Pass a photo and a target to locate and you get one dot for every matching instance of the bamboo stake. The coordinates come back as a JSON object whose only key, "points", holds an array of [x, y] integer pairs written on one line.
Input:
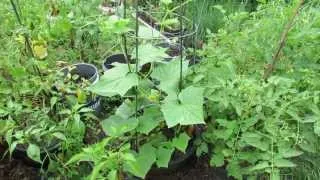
{"points": [[270, 67]]}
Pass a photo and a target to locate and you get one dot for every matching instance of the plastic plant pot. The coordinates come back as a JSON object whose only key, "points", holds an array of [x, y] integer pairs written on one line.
{"points": [[171, 33], [194, 60], [179, 159], [20, 152], [168, 32], [173, 50], [84, 70], [119, 58], [90, 73]]}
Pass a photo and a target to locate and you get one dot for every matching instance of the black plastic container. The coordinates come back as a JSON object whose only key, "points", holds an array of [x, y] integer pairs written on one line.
{"points": [[119, 58], [166, 31], [179, 160], [20, 152], [173, 50], [90, 73], [193, 60], [174, 33], [84, 70]]}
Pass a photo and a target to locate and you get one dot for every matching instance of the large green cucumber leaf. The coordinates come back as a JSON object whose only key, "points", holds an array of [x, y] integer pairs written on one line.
{"points": [[144, 161], [116, 126], [115, 81], [169, 76], [164, 156], [149, 53], [149, 120], [186, 110], [181, 142]]}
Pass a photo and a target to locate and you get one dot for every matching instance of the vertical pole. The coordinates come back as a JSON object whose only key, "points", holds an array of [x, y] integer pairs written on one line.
{"points": [[124, 37], [137, 69], [26, 37], [181, 44], [194, 37]]}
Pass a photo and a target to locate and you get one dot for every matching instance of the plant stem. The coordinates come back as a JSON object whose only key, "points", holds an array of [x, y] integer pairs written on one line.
{"points": [[125, 51], [26, 37], [16, 11], [124, 38], [28, 43], [268, 71]]}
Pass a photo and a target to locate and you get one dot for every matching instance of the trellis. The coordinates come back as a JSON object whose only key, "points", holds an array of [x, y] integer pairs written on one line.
{"points": [[169, 39]]}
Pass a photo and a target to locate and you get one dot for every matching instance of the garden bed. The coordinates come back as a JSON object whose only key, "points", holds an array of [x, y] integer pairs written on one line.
{"points": [[15, 169], [194, 169], [118, 89]]}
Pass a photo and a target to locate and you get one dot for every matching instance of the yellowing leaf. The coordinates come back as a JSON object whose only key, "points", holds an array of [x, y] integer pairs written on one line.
{"points": [[81, 96], [40, 51], [20, 39]]}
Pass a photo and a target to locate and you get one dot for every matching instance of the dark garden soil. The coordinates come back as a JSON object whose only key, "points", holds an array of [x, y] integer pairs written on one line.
{"points": [[15, 169], [194, 169]]}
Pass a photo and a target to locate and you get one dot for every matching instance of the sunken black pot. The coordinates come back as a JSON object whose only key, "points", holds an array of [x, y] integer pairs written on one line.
{"points": [[119, 58], [173, 33], [193, 60], [173, 50], [90, 73], [20, 152], [179, 159]]}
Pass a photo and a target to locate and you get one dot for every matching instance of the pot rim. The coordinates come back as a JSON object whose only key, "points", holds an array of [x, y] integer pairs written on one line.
{"points": [[55, 145], [95, 77]]}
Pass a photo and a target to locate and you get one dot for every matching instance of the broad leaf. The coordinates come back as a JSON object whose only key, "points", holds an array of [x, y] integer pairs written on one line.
{"points": [[149, 53], [255, 140], [149, 120], [116, 126], [144, 161], [291, 153], [126, 109], [284, 163], [260, 166], [33, 152], [59, 135], [5, 125], [169, 76], [217, 160], [181, 142], [164, 156], [233, 169], [186, 110], [116, 81]]}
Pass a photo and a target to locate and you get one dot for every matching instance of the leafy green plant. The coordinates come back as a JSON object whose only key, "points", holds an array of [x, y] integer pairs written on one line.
{"points": [[160, 102], [258, 129], [105, 157]]}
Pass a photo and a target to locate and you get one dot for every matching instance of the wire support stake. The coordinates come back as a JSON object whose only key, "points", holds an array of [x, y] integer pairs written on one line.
{"points": [[137, 70], [181, 44]]}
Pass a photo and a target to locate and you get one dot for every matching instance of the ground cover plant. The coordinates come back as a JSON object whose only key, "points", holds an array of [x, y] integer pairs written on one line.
{"points": [[248, 106]]}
